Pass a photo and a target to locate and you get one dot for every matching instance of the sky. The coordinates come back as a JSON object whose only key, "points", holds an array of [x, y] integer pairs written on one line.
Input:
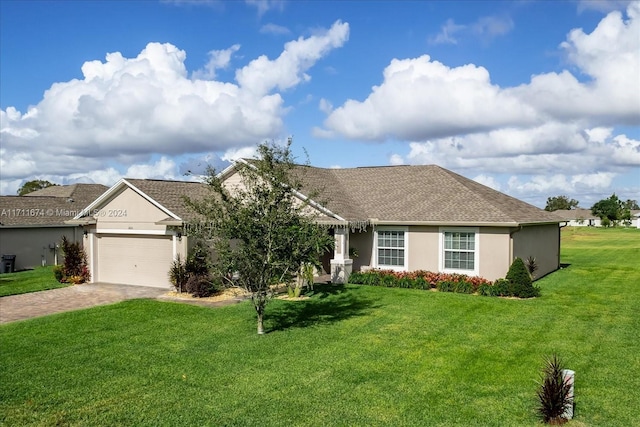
{"points": [[533, 98]]}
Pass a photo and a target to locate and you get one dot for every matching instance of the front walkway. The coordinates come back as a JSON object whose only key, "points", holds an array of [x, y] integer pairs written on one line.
{"points": [[35, 304]]}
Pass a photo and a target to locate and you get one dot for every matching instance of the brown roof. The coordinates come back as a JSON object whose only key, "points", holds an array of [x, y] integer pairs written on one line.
{"points": [[51, 206], [417, 194], [574, 214], [171, 194]]}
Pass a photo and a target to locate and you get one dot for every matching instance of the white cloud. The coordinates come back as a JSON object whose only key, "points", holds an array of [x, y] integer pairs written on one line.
{"points": [[603, 5], [263, 6], [218, 59], [396, 160], [447, 33], [325, 106], [421, 99], [124, 110], [274, 29], [234, 154], [486, 27], [263, 75], [489, 181]]}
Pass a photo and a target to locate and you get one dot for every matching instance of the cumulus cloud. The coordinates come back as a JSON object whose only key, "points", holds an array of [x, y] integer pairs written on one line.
{"points": [[263, 75], [420, 99], [218, 59], [124, 110]]}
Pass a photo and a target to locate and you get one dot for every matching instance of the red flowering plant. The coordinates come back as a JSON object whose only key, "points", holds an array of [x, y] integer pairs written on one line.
{"points": [[420, 279]]}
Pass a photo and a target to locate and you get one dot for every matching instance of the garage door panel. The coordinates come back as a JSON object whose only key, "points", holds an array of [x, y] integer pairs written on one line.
{"points": [[135, 260]]}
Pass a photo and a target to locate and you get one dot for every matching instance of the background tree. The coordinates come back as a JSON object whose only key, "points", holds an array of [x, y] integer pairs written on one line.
{"points": [[259, 231], [631, 205], [31, 186], [560, 202], [611, 208]]}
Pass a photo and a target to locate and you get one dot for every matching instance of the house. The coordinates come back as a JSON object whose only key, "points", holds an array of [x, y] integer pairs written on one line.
{"points": [[134, 230], [578, 217], [397, 217], [32, 226]]}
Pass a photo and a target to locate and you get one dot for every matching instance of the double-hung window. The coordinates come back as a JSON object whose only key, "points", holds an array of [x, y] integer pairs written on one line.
{"points": [[460, 250], [391, 249]]}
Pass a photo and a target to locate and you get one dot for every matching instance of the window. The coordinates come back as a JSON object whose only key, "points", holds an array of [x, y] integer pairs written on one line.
{"points": [[391, 248], [459, 250]]}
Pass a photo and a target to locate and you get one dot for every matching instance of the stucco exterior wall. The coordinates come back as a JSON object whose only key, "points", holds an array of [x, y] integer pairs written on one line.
{"points": [[494, 256], [423, 248], [362, 241], [543, 243], [129, 211], [34, 245]]}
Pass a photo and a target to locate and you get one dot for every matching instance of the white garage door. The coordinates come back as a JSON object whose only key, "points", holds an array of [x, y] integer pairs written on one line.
{"points": [[134, 260]]}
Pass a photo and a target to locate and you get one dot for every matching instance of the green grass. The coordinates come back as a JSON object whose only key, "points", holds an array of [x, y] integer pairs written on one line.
{"points": [[22, 282], [351, 355]]}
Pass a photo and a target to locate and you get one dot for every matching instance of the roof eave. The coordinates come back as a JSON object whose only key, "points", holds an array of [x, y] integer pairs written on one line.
{"points": [[460, 223]]}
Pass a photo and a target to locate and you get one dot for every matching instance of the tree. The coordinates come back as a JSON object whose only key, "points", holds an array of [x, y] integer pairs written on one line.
{"points": [[631, 205], [560, 202], [611, 208], [31, 186], [260, 232]]}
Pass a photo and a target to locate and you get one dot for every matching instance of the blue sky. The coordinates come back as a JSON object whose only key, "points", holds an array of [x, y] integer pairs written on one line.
{"points": [[533, 98]]}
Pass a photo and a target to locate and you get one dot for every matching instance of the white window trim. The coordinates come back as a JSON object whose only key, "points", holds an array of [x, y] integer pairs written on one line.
{"points": [[476, 250], [405, 230]]}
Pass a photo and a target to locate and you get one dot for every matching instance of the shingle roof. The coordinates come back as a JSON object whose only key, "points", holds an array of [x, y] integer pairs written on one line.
{"points": [[574, 214], [170, 194], [51, 206], [417, 194]]}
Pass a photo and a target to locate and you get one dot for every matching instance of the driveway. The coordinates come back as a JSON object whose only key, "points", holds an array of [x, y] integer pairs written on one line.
{"points": [[35, 304]]}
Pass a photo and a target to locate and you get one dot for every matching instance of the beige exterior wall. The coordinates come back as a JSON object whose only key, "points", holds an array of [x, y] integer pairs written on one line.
{"points": [[129, 211], [495, 250], [34, 245], [362, 241], [494, 255], [541, 242], [423, 248]]}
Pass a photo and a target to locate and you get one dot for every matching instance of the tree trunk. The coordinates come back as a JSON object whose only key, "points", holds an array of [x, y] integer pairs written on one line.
{"points": [[260, 324]]}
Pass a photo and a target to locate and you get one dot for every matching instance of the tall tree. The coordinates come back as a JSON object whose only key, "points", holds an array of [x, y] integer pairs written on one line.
{"points": [[611, 208], [260, 232], [560, 202], [31, 186]]}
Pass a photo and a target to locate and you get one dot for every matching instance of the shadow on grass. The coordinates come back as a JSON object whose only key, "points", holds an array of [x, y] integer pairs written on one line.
{"points": [[328, 304]]}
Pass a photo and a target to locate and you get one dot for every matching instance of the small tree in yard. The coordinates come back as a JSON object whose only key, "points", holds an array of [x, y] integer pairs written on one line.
{"points": [[74, 269], [259, 230]]}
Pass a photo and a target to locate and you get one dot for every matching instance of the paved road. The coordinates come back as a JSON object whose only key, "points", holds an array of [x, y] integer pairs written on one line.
{"points": [[34, 304]]}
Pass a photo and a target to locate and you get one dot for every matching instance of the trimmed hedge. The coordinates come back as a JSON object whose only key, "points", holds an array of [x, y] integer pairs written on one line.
{"points": [[443, 282]]}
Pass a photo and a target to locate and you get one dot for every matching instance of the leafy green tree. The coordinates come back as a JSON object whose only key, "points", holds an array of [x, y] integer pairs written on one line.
{"points": [[631, 205], [560, 202], [31, 186], [611, 208], [260, 232]]}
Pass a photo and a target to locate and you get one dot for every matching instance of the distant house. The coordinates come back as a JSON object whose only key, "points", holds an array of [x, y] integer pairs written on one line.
{"points": [[32, 226], [578, 217], [401, 217]]}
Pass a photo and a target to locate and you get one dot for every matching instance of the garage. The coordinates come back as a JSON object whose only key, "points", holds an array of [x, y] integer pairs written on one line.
{"points": [[134, 260]]}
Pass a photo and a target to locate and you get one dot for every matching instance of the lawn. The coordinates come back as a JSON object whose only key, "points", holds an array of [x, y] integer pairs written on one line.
{"points": [[22, 282], [350, 355]]}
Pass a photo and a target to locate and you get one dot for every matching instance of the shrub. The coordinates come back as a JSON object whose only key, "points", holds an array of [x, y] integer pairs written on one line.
{"points": [[178, 275], [201, 286], [554, 394], [520, 284], [74, 269], [464, 287], [487, 290], [501, 288], [445, 286], [58, 273], [198, 261]]}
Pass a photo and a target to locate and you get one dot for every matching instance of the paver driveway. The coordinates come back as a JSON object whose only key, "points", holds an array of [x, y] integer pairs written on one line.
{"points": [[34, 304]]}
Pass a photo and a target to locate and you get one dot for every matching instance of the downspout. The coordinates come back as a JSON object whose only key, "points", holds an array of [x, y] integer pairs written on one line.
{"points": [[559, 239], [511, 242]]}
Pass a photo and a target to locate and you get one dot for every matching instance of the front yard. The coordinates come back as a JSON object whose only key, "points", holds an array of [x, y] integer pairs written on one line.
{"points": [[38, 279], [350, 355]]}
